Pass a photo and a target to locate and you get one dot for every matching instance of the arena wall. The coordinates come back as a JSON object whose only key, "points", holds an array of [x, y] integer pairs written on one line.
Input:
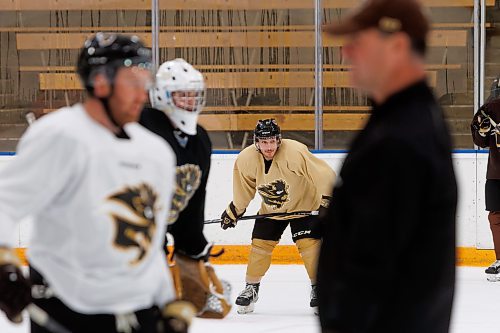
{"points": [[474, 241]]}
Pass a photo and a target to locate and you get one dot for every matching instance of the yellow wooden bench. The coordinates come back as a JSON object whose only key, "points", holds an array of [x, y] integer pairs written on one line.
{"points": [[288, 122], [210, 28], [240, 76], [75, 40], [246, 67], [235, 80], [43, 5]]}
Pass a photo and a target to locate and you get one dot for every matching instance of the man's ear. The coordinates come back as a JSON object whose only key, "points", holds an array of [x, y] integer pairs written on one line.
{"points": [[400, 43], [102, 88]]}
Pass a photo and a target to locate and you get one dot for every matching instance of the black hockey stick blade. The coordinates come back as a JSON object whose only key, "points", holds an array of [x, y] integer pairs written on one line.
{"points": [[253, 217]]}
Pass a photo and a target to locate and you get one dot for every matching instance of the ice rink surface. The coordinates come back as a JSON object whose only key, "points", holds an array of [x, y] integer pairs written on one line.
{"points": [[283, 305]]}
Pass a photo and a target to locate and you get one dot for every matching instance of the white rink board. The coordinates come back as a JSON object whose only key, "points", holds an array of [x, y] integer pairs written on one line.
{"points": [[472, 223]]}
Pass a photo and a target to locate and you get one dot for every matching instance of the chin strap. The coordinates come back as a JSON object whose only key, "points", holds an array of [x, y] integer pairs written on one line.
{"points": [[105, 103]]}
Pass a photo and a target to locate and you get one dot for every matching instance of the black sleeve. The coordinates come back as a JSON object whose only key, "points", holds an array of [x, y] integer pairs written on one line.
{"points": [[372, 218], [188, 229], [481, 141]]}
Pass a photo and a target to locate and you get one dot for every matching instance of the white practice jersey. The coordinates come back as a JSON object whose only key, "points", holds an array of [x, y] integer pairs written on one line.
{"points": [[100, 208]]}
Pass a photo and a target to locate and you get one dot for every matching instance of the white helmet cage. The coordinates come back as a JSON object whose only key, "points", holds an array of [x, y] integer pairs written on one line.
{"points": [[179, 91]]}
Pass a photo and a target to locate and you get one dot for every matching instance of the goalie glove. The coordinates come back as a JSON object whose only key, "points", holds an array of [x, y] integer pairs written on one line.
{"points": [[230, 217], [15, 290], [177, 316]]}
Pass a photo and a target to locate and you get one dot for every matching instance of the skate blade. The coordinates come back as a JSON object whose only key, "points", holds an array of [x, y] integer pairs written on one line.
{"points": [[493, 277], [244, 309]]}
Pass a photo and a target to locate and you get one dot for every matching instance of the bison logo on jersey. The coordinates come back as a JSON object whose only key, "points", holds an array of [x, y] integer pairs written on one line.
{"points": [[135, 224], [274, 194], [188, 178]]}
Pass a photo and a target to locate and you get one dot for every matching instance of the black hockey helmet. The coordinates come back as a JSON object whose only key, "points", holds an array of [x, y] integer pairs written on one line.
{"points": [[494, 90], [106, 53], [266, 128]]}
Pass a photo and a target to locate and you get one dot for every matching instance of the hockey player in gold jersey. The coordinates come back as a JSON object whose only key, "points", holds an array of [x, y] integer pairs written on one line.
{"points": [[289, 179]]}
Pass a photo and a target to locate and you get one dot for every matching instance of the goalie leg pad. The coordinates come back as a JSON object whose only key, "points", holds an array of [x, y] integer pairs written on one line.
{"points": [[218, 305], [176, 277], [201, 286], [194, 281]]}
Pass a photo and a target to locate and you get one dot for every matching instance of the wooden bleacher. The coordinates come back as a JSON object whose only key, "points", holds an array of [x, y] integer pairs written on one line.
{"points": [[55, 79], [41, 5], [228, 80], [296, 39], [297, 122], [241, 80]]}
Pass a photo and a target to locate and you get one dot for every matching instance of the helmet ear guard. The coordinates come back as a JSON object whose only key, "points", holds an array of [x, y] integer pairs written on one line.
{"points": [[179, 91]]}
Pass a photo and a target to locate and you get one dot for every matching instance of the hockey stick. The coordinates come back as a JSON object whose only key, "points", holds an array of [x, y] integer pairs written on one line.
{"points": [[491, 120], [42, 318], [253, 217]]}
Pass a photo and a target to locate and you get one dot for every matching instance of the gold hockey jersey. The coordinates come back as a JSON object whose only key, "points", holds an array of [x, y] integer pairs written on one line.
{"points": [[296, 180]]}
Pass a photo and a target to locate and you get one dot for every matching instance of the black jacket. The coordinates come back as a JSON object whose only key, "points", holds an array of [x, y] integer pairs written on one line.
{"points": [[188, 228], [387, 262], [492, 109]]}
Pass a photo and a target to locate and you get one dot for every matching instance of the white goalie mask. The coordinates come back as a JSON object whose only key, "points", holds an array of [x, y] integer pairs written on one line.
{"points": [[179, 91]]}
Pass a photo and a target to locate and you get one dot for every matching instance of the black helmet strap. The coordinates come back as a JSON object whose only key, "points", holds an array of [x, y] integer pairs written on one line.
{"points": [[110, 73], [105, 104]]}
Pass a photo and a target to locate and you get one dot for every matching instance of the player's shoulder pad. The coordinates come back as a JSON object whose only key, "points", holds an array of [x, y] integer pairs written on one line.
{"points": [[152, 112], [64, 121], [248, 155], [292, 147], [202, 132], [149, 140], [152, 118]]}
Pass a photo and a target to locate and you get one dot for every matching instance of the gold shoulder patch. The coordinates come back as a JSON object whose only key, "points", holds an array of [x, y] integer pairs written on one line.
{"points": [[188, 178]]}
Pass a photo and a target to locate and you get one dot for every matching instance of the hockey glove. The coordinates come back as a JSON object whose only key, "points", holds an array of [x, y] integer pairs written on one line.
{"points": [[481, 124], [15, 290], [324, 204], [484, 127], [230, 217], [475, 122], [177, 316]]}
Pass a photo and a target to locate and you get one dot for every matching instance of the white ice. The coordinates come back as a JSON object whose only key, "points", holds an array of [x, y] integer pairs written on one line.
{"points": [[284, 299]]}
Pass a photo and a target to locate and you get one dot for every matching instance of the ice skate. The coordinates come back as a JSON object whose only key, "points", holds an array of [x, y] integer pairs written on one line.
{"points": [[314, 299], [247, 298], [493, 272]]}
